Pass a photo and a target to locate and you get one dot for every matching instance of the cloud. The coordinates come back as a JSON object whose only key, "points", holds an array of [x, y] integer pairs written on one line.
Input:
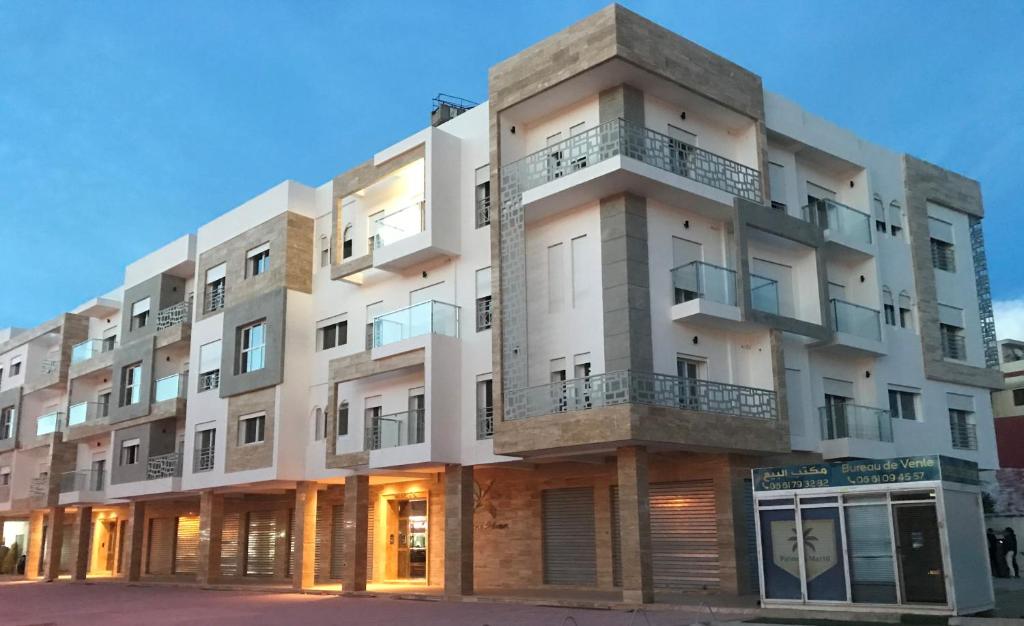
{"points": [[1009, 316]]}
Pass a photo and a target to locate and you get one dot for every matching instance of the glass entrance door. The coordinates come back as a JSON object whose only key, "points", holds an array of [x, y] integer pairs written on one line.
{"points": [[922, 578], [411, 550]]}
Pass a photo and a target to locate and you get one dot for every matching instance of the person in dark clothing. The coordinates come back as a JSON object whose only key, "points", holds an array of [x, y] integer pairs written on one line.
{"points": [[993, 552], [1010, 547]]}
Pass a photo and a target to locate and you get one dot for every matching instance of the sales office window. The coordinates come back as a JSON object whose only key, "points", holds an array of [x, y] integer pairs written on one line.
{"points": [[251, 355]]}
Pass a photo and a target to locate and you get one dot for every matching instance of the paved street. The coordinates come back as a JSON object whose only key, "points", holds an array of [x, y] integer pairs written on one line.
{"points": [[113, 604]]}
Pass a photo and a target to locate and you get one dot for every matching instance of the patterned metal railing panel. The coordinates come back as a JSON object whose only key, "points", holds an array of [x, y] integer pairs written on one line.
{"points": [[174, 315], [954, 346], [483, 211], [626, 387], [853, 421], [964, 436], [484, 317], [202, 459], [209, 380], [214, 300], [163, 466], [619, 137], [485, 422]]}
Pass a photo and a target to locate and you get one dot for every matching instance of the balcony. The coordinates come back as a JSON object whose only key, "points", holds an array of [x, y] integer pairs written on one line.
{"points": [[90, 348], [395, 226], [485, 422], [705, 294], [202, 459], [764, 294], [209, 380], [851, 430], [48, 424], [626, 387], [87, 413], [426, 318], [174, 315], [164, 466], [82, 486], [846, 230], [484, 313], [858, 330], [170, 387], [395, 429]]}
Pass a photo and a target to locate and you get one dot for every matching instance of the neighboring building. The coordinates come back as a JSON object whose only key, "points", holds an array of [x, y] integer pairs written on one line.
{"points": [[1008, 404], [541, 342]]}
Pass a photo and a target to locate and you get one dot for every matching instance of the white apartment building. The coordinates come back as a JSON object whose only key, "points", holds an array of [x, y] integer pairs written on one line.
{"points": [[539, 344]]}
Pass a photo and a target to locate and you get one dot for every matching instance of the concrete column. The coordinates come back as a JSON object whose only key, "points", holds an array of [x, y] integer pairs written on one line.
{"points": [[458, 530], [54, 543], [34, 550], [357, 502], [135, 534], [304, 572], [83, 537], [635, 525], [211, 525]]}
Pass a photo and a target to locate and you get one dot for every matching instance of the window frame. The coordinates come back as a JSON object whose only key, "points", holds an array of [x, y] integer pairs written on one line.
{"points": [[246, 347], [257, 260], [131, 451], [260, 429], [1015, 397], [7, 416], [131, 384], [897, 401]]}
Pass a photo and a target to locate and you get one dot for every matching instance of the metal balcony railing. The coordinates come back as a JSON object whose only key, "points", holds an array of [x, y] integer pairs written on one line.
{"points": [[484, 314], [626, 387], [85, 412], [395, 429], [856, 319], [83, 480], [483, 211], [397, 225], [764, 294], [426, 318], [202, 459], [619, 137], [209, 380], [49, 423], [49, 366], [842, 421], [170, 387], [964, 435], [214, 299], [163, 466], [485, 422], [704, 280], [954, 346], [90, 348], [174, 315], [39, 486], [843, 223]]}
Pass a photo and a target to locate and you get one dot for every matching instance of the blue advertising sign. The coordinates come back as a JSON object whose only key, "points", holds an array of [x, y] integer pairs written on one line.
{"points": [[908, 469]]}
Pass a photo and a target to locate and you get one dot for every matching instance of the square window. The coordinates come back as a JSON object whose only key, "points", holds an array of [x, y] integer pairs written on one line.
{"points": [[140, 314], [130, 449], [15, 368], [943, 256], [903, 404], [251, 429], [1018, 397], [332, 335]]}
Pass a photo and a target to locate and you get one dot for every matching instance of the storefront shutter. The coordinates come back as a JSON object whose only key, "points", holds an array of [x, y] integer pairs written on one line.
{"points": [[291, 541], [261, 531], [684, 537], [369, 541], [338, 542], [616, 539], [322, 547], [186, 547], [160, 556], [229, 545], [568, 536], [66, 548]]}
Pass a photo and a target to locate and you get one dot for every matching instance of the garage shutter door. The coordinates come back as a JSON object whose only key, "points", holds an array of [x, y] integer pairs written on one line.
{"points": [[568, 536], [186, 546], [261, 544], [684, 537], [229, 545], [338, 541], [616, 539], [369, 541], [291, 541], [159, 557], [322, 549]]}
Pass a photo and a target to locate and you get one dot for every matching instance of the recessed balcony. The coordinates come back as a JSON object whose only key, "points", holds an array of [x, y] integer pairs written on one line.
{"points": [[621, 156], [858, 330], [171, 387], [395, 429], [764, 294], [90, 348], [855, 431], [82, 487], [86, 413], [705, 294], [48, 424], [847, 231]]}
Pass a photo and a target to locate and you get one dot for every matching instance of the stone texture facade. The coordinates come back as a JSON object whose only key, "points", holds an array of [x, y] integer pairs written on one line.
{"points": [[238, 456]]}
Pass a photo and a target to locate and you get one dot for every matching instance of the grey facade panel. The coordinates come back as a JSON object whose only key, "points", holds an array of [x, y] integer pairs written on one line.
{"points": [[155, 438], [11, 398], [162, 290], [138, 352], [269, 307]]}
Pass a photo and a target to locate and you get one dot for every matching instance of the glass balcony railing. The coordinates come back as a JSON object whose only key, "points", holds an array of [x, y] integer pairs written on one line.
{"points": [[170, 387], [764, 294], [85, 412], [842, 421], [90, 348], [843, 223], [856, 320], [626, 387], [83, 480], [395, 429], [426, 318], [619, 137], [704, 280], [47, 424], [397, 225]]}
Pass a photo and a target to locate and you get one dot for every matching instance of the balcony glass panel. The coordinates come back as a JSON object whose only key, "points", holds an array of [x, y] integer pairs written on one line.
{"points": [[843, 223], [856, 320], [395, 429], [78, 413], [82, 480], [425, 318], [47, 424], [842, 421], [169, 387], [704, 280], [397, 225], [764, 294], [85, 350]]}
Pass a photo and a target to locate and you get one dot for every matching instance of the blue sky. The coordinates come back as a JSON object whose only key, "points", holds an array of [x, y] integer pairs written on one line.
{"points": [[124, 125]]}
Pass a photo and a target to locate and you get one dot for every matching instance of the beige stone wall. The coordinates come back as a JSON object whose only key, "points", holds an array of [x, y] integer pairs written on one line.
{"points": [[255, 455]]}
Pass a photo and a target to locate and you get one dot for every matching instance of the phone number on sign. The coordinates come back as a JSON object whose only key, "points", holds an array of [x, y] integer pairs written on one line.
{"points": [[878, 479], [795, 484]]}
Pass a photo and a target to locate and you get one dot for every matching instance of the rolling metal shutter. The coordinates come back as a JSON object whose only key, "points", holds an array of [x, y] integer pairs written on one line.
{"points": [[338, 542], [66, 548], [369, 541], [684, 536], [229, 545], [261, 544], [570, 547], [160, 556], [186, 546], [291, 541], [616, 539], [323, 542]]}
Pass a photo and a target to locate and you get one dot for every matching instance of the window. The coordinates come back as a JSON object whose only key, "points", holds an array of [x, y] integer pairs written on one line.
{"points": [[332, 334], [253, 341], [209, 366], [906, 318], [777, 185], [1018, 397], [483, 299], [213, 298], [342, 418], [131, 384], [417, 415], [140, 314], [963, 431], [482, 194], [953, 345], [103, 400], [879, 211], [346, 242], [258, 260], [204, 452], [484, 407], [325, 251], [15, 367], [319, 424], [556, 278], [372, 422], [108, 343], [943, 257], [903, 404], [250, 429], [372, 311], [5, 476], [890, 314], [7, 422], [130, 451]]}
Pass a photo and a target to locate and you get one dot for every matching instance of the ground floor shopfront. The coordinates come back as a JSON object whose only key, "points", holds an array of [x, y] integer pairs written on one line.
{"points": [[631, 523]]}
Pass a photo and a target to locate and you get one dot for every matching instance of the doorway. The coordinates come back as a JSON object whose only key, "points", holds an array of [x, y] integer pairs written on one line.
{"points": [[407, 539], [922, 576]]}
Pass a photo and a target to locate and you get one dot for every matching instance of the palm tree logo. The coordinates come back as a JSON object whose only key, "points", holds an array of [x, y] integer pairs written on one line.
{"points": [[808, 538]]}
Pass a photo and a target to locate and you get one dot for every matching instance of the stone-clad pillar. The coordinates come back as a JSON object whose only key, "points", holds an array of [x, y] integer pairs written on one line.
{"points": [[635, 525], [458, 530], [135, 534], [54, 543], [283, 549], [83, 536], [357, 502], [211, 525], [34, 549], [304, 572]]}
